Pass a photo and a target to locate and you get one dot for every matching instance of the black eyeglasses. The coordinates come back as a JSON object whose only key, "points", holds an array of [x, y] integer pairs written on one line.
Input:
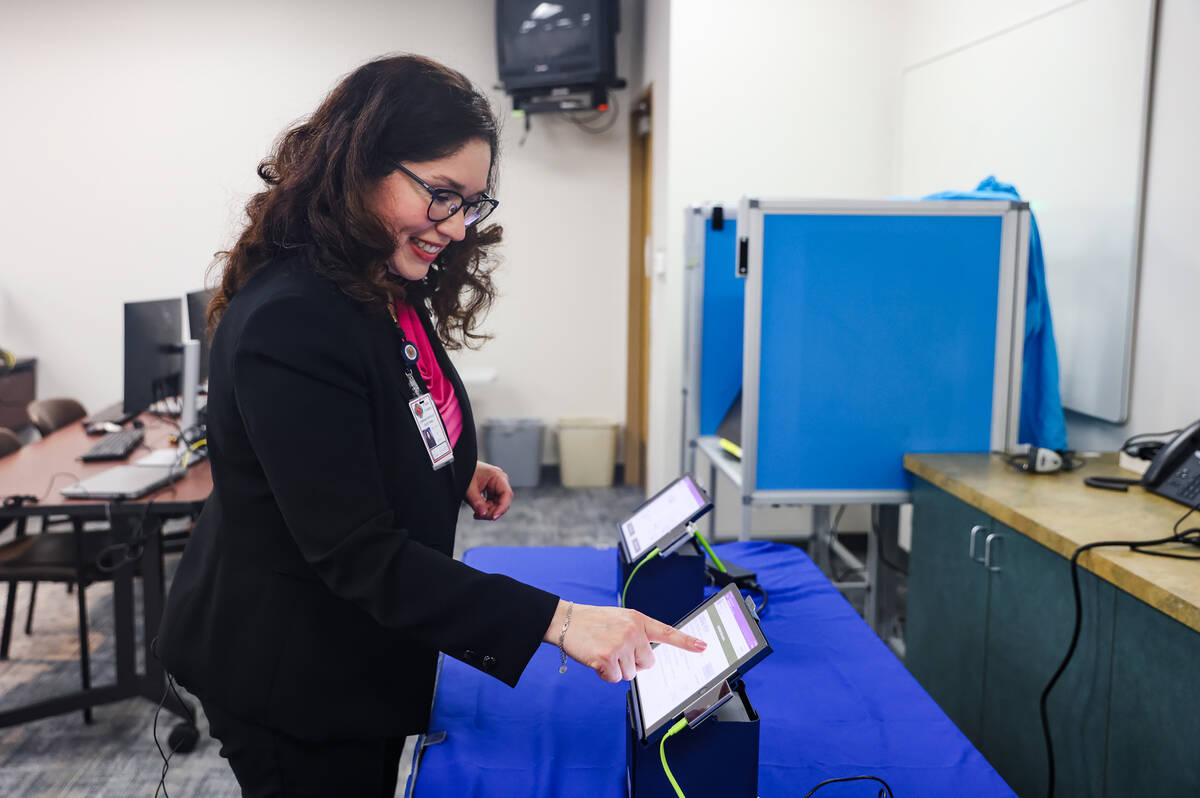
{"points": [[444, 203]]}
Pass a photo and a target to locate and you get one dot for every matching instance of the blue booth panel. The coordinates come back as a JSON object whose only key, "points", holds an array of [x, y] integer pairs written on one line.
{"points": [[724, 311], [878, 338]]}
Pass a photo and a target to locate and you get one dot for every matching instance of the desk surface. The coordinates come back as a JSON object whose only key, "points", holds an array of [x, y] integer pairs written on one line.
{"points": [[1061, 513], [45, 467], [833, 699]]}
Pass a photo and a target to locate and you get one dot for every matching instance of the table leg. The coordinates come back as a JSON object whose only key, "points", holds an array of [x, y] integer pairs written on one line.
{"points": [[153, 593], [124, 626], [85, 658], [818, 546], [871, 599]]}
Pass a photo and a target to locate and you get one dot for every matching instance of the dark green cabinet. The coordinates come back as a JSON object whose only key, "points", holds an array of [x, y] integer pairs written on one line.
{"points": [[1154, 709], [1030, 617], [947, 605], [990, 614]]}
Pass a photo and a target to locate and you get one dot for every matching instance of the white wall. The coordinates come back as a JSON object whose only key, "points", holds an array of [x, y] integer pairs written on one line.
{"points": [[760, 97], [1165, 394], [1166, 385], [132, 131]]}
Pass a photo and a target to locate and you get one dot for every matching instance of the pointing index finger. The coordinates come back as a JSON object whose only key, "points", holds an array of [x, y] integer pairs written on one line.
{"points": [[661, 633]]}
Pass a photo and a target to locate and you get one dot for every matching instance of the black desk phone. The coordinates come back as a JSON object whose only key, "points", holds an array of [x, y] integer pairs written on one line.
{"points": [[1175, 470]]}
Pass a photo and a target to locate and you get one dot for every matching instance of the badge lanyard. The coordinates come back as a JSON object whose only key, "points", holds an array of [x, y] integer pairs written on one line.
{"points": [[424, 410]]}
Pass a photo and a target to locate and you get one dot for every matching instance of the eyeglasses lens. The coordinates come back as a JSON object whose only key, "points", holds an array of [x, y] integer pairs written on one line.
{"points": [[444, 205]]}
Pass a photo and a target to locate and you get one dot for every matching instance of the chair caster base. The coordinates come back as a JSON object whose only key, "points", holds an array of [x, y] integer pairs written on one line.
{"points": [[183, 738]]}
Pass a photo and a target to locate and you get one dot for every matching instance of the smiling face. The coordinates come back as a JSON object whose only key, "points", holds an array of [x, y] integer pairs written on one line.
{"points": [[401, 203]]}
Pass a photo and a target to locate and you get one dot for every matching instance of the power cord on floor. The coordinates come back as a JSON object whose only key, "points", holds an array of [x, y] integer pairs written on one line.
{"points": [[181, 743], [1191, 536], [884, 792]]}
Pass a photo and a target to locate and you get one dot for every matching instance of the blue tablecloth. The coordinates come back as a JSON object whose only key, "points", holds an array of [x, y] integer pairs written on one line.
{"points": [[832, 698]]}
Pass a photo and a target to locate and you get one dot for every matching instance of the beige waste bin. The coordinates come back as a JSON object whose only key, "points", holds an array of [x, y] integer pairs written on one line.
{"points": [[587, 450]]}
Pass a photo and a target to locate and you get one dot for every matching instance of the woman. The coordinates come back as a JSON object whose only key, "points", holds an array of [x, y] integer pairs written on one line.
{"points": [[318, 587]]}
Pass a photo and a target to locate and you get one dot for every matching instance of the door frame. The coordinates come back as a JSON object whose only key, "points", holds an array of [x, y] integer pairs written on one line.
{"points": [[637, 391]]}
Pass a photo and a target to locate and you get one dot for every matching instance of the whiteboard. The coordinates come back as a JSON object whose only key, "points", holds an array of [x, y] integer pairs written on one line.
{"points": [[1058, 106]]}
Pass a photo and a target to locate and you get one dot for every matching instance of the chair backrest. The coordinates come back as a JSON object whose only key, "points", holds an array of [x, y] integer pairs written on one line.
{"points": [[51, 414], [9, 442]]}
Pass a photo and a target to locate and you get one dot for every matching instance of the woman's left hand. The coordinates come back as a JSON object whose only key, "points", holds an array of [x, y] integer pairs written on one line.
{"points": [[489, 493]]}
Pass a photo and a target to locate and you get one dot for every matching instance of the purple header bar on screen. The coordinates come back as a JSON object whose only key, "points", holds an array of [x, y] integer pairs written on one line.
{"points": [[695, 491], [739, 612]]}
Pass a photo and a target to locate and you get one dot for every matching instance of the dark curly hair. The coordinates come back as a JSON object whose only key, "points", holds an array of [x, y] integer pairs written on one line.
{"points": [[318, 178]]}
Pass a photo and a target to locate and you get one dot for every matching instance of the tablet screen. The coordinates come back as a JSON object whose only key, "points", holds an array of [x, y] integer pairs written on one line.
{"points": [[679, 677], [678, 503]]}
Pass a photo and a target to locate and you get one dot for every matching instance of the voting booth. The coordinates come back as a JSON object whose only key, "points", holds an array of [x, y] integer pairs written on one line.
{"points": [[871, 328]]}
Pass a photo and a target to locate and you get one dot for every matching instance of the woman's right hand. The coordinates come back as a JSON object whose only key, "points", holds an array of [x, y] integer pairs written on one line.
{"points": [[612, 641]]}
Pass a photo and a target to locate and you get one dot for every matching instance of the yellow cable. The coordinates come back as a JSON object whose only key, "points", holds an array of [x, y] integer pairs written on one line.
{"points": [[716, 560], [662, 754], [188, 454], [643, 561]]}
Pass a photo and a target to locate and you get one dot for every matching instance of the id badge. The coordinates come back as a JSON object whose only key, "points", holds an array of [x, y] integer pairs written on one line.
{"points": [[429, 424]]}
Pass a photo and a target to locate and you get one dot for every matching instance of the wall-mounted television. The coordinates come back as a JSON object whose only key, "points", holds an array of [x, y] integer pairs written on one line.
{"points": [[551, 49]]}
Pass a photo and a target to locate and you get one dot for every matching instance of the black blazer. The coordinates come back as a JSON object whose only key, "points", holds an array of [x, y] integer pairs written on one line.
{"points": [[319, 583]]}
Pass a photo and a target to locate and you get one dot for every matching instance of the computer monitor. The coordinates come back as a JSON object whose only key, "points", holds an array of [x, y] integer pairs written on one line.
{"points": [[153, 353], [197, 309]]}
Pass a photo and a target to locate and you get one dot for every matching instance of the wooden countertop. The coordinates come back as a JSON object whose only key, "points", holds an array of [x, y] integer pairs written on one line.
{"points": [[1061, 513]]}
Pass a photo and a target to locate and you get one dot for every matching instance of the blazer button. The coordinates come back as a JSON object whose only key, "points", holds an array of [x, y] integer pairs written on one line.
{"points": [[489, 662]]}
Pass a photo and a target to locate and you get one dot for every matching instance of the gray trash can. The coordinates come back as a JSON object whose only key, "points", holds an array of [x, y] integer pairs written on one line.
{"points": [[515, 444]]}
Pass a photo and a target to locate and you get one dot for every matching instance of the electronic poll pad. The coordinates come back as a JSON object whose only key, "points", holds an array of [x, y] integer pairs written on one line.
{"points": [[694, 684], [662, 521]]}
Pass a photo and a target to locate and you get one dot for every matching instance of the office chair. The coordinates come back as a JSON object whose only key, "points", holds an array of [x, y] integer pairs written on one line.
{"points": [[68, 557], [51, 414], [9, 442]]}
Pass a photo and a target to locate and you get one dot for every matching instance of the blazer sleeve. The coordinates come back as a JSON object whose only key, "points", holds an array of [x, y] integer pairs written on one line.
{"points": [[297, 359]]}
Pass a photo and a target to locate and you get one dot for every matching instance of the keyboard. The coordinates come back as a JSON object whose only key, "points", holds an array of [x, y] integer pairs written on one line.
{"points": [[114, 445]]}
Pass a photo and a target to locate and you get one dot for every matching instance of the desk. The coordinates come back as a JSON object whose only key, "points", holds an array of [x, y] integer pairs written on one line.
{"points": [[43, 468], [985, 641], [834, 701]]}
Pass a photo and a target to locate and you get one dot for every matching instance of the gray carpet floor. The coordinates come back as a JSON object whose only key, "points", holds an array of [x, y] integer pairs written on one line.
{"points": [[116, 756]]}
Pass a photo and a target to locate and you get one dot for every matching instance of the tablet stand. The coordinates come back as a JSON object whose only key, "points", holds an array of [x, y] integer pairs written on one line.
{"points": [[715, 756], [668, 585]]}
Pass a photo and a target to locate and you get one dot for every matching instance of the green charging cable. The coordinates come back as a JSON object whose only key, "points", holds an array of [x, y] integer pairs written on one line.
{"points": [[643, 561], [716, 560], [662, 754]]}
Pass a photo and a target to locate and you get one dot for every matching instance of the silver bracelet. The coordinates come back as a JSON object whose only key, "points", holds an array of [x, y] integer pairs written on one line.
{"points": [[562, 652]]}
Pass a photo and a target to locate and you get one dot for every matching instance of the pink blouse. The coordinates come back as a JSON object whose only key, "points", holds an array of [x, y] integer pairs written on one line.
{"points": [[439, 386]]}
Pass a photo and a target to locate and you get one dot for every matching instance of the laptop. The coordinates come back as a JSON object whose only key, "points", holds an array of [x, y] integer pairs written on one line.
{"points": [[125, 482]]}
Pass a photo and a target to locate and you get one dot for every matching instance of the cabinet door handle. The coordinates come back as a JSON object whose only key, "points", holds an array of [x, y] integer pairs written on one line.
{"points": [[987, 552], [975, 530]]}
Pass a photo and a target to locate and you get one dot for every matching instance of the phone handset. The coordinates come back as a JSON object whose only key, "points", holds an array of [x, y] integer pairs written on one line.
{"points": [[1174, 472], [1173, 454]]}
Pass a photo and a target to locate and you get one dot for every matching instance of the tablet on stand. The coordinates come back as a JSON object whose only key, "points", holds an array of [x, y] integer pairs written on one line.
{"points": [[657, 573], [692, 709]]}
